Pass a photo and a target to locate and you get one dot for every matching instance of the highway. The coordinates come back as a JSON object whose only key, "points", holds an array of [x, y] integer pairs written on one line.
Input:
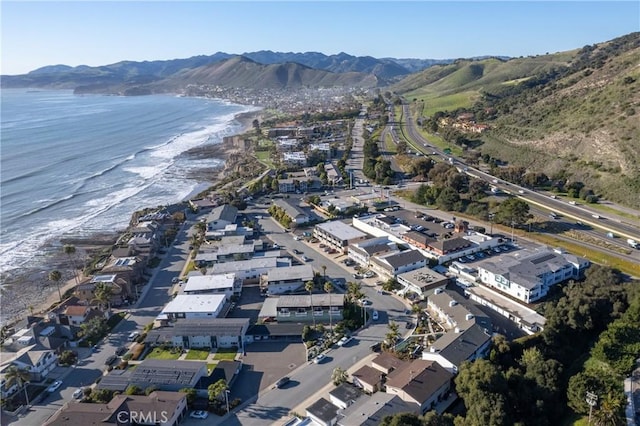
{"points": [[620, 226]]}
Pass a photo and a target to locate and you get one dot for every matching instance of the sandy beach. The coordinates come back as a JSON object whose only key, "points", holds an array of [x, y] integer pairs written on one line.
{"points": [[28, 291]]}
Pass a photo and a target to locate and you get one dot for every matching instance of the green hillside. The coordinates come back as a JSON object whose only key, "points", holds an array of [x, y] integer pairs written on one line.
{"points": [[573, 115]]}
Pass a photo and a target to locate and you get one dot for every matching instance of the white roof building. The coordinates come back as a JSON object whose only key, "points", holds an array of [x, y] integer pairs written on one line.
{"points": [[219, 283], [195, 306]]}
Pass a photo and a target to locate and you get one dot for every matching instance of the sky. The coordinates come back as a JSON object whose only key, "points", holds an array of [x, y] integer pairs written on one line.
{"points": [[36, 34]]}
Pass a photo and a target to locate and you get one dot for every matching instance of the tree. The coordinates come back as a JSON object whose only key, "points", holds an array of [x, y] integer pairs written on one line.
{"points": [[448, 199], [610, 411], [328, 287], [338, 376], [309, 285], [150, 389], [191, 395], [133, 390], [101, 395], [401, 419], [68, 358], [512, 211], [102, 294], [393, 335], [21, 376], [482, 386], [70, 250], [56, 276], [216, 389], [93, 329]]}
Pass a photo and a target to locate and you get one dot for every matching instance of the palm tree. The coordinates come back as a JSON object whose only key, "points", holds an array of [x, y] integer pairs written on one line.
{"points": [[70, 250], [103, 293], [394, 333], [309, 287], [611, 411], [20, 375], [328, 286], [56, 276], [338, 376], [324, 273]]}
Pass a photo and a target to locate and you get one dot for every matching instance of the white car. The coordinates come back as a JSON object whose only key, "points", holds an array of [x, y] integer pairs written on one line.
{"points": [[344, 340], [133, 335], [54, 386], [199, 414], [374, 316], [78, 393], [319, 359]]}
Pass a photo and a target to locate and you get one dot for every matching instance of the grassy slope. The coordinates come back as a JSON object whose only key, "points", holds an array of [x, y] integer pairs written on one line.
{"points": [[587, 124]]}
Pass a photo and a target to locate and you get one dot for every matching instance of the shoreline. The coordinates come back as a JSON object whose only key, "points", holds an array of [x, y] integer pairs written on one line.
{"points": [[29, 290]]}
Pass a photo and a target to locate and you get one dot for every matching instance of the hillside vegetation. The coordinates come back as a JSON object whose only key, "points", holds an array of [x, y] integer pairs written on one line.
{"points": [[574, 116]]}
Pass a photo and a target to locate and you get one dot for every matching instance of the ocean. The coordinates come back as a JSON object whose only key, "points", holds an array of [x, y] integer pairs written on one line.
{"points": [[78, 165]]}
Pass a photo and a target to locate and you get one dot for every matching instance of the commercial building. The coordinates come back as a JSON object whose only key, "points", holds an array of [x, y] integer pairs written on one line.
{"points": [[338, 235]]}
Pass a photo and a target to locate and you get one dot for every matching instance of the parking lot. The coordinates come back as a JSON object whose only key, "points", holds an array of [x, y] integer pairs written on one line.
{"points": [[265, 363]]}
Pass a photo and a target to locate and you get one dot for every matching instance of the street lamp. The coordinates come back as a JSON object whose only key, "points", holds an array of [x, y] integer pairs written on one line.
{"points": [[226, 398], [491, 216], [592, 400]]}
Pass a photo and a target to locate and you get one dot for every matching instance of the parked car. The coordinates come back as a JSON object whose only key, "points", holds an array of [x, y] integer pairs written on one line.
{"points": [[374, 316], [319, 359], [199, 414], [121, 350], [133, 335], [110, 360], [77, 394], [296, 251], [305, 259], [344, 340], [283, 381], [54, 386]]}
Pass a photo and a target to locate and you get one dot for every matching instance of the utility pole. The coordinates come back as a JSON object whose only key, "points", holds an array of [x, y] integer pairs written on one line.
{"points": [[592, 400], [491, 215]]}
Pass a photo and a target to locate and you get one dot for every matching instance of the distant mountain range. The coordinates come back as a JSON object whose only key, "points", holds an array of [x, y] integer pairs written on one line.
{"points": [[253, 70]]}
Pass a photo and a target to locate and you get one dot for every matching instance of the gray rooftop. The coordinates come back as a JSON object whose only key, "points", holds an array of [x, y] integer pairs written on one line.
{"points": [[292, 273], [346, 393], [341, 230], [370, 410], [324, 410], [407, 257], [304, 300], [458, 347]]}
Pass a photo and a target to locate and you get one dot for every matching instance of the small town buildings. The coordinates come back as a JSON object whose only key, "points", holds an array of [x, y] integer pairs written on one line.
{"points": [[294, 211], [221, 216], [286, 280], [294, 158], [338, 235], [304, 308], [368, 378], [529, 278], [392, 264], [129, 268], [371, 410], [287, 185], [226, 284], [419, 382], [344, 395], [362, 252], [323, 412], [249, 271], [201, 333], [166, 375], [203, 204], [194, 306], [158, 408], [35, 358], [120, 290], [422, 281]]}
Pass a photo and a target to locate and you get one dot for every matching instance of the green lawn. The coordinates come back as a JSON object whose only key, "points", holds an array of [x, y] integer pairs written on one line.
{"points": [[159, 353], [198, 354], [228, 354]]}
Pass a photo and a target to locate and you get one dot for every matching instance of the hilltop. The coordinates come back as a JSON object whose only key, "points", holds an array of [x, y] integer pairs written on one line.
{"points": [[573, 115]]}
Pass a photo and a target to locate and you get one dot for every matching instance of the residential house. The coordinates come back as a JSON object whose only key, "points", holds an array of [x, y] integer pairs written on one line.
{"points": [[392, 264], [129, 268], [338, 235], [457, 346], [286, 280], [194, 306], [120, 288], [158, 408], [294, 158], [530, 278], [422, 281], [344, 395], [295, 212], [221, 216], [323, 412], [422, 383], [362, 252], [201, 333], [292, 185], [371, 410], [323, 307], [368, 378], [226, 284], [146, 238], [249, 271], [36, 359], [203, 204], [386, 362]]}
